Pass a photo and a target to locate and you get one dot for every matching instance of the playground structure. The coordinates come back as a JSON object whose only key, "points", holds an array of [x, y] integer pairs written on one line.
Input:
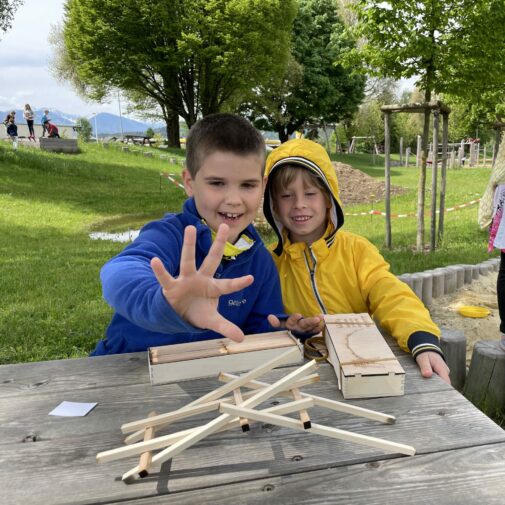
{"points": [[435, 108]]}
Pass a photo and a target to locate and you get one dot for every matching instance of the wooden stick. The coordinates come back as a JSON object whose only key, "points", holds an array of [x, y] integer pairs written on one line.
{"points": [[319, 429], [227, 388], [214, 405], [324, 402], [304, 415], [244, 423], [166, 440], [216, 424], [146, 457]]}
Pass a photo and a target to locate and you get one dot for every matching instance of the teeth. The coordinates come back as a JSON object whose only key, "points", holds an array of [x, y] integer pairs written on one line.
{"points": [[301, 218], [230, 215]]}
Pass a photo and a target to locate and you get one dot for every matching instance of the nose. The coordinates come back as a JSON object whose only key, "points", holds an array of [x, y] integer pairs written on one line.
{"points": [[232, 197], [300, 201]]}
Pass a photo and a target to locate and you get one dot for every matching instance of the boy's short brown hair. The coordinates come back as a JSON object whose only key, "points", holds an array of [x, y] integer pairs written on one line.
{"points": [[285, 175], [222, 132]]}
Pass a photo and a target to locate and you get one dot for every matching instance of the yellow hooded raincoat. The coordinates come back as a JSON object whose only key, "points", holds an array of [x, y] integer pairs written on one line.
{"points": [[342, 272]]}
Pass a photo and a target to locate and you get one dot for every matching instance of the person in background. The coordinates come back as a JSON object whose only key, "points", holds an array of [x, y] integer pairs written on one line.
{"points": [[52, 130], [491, 214], [12, 131], [28, 115], [43, 121], [11, 114]]}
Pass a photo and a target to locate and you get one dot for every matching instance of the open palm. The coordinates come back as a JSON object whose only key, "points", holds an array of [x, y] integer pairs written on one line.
{"points": [[194, 294]]}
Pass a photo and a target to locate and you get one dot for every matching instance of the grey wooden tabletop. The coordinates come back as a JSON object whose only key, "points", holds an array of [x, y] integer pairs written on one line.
{"points": [[51, 460]]}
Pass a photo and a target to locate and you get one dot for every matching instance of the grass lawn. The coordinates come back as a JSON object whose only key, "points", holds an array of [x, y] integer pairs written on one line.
{"points": [[51, 296]]}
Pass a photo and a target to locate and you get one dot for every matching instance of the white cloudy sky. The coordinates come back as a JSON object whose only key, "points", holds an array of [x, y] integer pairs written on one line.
{"points": [[24, 61]]}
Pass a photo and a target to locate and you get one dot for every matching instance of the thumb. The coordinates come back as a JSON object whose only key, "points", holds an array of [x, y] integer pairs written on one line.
{"points": [[226, 328]]}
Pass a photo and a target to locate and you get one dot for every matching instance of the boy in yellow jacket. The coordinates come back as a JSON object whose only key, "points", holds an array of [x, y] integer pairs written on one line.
{"points": [[324, 270]]}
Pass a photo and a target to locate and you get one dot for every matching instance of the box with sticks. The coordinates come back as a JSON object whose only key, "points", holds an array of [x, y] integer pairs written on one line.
{"points": [[365, 365], [193, 360]]}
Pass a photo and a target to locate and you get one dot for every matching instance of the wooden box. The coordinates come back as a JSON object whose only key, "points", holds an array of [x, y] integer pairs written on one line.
{"points": [[365, 365], [178, 362]]}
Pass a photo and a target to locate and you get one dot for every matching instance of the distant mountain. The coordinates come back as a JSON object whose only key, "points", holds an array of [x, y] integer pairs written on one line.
{"points": [[107, 124], [110, 124]]}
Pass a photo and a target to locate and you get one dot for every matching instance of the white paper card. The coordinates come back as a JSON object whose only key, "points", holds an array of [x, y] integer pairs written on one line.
{"points": [[72, 409]]}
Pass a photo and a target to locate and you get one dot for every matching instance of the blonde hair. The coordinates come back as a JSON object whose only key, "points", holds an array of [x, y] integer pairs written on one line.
{"points": [[286, 174]]}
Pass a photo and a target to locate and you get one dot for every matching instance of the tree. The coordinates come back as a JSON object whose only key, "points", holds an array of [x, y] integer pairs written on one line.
{"points": [[189, 57], [316, 88], [452, 46], [7, 10], [85, 129], [150, 133]]}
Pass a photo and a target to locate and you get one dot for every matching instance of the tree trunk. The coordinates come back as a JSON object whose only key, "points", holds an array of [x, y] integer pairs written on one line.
{"points": [[421, 189], [387, 157], [434, 182], [283, 135], [173, 130]]}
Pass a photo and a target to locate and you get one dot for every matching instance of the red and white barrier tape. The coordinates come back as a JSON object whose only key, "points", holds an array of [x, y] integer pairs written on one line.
{"points": [[411, 214]]}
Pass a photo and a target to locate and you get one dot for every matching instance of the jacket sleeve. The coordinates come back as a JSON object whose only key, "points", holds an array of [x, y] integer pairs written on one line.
{"points": [[130, 287], [268, 297], [392, 303]]}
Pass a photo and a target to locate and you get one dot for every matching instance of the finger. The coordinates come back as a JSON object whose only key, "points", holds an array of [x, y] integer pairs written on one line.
{"points": [[274, 321], [292, 321], [213, 259], [442, 370], [226, 286], [423, 361], [163, 277], [187, 264], [226, 328], [311, 323]]}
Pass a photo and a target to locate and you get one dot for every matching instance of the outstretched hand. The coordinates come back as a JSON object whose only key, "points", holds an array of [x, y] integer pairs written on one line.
{"points": [[431, 362], [194, 294], [296, 322]]}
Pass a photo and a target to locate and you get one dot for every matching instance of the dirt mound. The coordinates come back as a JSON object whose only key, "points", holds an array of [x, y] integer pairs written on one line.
{"points": [[357, 187]]}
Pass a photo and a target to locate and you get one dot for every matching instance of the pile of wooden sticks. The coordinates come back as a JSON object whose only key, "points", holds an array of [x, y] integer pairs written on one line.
{"points": [[238, 411]]}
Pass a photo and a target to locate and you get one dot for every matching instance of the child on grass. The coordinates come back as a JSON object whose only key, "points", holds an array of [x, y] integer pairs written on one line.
{"points": [[324, 270], [12, 131], [202, 273]]}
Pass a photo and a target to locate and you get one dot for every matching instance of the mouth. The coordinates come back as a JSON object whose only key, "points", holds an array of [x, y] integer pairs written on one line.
{"points": [[300, 219], [230, 217]]}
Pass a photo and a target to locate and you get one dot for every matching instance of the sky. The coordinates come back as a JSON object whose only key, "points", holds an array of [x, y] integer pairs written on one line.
{"points": [[24, 64], [25, 54]]}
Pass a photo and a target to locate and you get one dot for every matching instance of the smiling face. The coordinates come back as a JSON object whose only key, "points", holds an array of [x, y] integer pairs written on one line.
{"points": [[302, 208], [227, 189]]}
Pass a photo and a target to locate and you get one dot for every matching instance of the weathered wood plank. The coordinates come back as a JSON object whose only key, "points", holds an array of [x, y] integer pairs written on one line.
{"points": [[471, 476], [73, 374], [433, 422], [119, 370]]}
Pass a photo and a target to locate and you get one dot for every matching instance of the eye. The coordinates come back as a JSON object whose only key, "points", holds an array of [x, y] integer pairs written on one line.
{"points": [[250, 185], [285, 195], [216, 183]]}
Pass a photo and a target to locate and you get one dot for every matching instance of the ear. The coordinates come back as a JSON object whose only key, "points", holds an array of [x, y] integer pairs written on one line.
{"points": [[188, 182]]}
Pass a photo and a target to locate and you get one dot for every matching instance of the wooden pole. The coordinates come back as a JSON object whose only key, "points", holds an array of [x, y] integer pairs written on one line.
{"points": [[434, 180], [418, 152], [401, 151], [387, 154], [443, 177]]}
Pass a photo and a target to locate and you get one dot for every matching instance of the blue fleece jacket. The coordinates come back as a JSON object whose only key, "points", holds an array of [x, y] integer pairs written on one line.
{"points": [[143, 318]]}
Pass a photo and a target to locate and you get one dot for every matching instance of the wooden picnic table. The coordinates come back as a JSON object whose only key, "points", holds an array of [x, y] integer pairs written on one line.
{"points": [[51, 460]]}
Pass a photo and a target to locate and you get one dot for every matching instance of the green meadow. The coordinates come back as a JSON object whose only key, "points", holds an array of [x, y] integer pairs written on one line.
{"points": [[52, 306]]}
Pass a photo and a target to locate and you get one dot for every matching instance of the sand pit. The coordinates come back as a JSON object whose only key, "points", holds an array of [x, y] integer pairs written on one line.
{"points": [[481, 292]]}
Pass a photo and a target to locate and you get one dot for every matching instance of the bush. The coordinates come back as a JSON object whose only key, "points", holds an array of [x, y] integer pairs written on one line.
{"points": [[84, 129]]}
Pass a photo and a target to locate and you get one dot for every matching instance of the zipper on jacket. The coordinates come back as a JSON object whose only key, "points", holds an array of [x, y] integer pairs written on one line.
{"points": [[312, 272]]}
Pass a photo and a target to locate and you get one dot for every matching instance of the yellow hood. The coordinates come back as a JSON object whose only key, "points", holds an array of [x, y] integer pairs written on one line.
{"points": [[312, 156]]}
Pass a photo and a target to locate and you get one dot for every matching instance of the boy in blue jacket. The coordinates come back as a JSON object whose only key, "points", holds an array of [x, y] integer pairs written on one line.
{"points": [[203, 273]]}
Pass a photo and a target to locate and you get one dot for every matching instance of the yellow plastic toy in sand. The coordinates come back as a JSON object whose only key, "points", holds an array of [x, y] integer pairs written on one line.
{"points": [[473, 311]]}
